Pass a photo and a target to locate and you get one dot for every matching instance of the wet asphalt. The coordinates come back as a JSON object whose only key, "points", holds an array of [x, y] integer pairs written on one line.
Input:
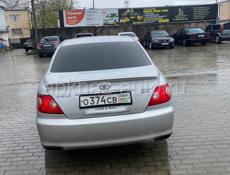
{"points": [[200, 144]]}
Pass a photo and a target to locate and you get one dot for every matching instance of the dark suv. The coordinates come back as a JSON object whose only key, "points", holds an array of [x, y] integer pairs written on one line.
{"points": [[48, 45], [219, 32]]}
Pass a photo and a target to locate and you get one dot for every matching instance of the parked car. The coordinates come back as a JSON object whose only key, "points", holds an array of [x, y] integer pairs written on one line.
{"points": [[48, 45], [158, 38], [102, 107], [190, 36], [111, 19], [80, 35], [27, 45], [131, 34], [219, 32]]}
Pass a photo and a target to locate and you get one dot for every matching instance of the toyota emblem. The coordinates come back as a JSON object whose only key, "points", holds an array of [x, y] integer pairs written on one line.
{"points": [[104, 85]]}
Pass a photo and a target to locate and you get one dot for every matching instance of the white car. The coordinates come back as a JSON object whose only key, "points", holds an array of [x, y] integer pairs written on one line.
{"points": [[111, 19], [131, 34]]}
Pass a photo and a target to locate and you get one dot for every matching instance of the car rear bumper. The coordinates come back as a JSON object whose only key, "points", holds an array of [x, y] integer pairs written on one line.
{"points": [[94, 132], [171, 44], [46, 51]]}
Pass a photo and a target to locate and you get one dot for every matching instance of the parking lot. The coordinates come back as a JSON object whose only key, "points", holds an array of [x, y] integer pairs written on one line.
{"points": [[200, 144]]}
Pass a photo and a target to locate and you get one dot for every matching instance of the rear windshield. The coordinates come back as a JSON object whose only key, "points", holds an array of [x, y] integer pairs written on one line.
{"points": [[47, 39], [28, 41], [195, 30], [159, 34], [99, 56], [227, 26]]}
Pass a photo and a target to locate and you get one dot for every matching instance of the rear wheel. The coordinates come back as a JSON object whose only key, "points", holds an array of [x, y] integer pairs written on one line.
{"points": [[40, 55], [218, 39]]}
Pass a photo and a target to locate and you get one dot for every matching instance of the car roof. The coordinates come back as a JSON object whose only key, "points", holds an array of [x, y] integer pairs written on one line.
{"points": [[126, 32], [192, 28], [97, 39], [50, 36], [158, 31], [84, 34]]}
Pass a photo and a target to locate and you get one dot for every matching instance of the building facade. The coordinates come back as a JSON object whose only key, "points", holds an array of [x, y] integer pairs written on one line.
{"points": [[3, 26], [20, 25], [225, 11]]}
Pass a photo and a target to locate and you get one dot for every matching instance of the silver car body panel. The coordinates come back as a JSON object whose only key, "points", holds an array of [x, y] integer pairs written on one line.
{"points": [[79, 127], [101, 131]]}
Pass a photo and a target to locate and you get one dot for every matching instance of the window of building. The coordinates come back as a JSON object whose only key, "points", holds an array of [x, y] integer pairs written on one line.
{"points": [[14, 17], [16, 32]]}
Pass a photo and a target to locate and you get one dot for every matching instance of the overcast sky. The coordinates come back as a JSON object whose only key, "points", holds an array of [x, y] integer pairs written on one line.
{"points": [[139, 3]]}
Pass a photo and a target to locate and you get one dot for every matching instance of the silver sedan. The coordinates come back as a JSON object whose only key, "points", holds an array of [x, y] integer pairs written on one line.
{"points": [[101, 91]]}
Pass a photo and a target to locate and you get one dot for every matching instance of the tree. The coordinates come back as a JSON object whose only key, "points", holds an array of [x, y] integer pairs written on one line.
{"points": [[47, 12]]}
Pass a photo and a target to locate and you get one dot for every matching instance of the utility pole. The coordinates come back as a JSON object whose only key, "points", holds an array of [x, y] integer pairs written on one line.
{"points": [[35, 28], [218, 12], [126, 3], [93, 4]]}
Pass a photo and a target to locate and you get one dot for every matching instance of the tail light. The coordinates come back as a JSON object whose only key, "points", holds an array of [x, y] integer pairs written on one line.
{"points": [[222, 28], [162, 94], [38, 46], [46, 104], [193, 36], [56, 44]]}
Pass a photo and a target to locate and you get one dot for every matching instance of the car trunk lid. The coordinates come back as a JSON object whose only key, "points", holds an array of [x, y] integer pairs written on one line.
{"points": [[67, 88]]}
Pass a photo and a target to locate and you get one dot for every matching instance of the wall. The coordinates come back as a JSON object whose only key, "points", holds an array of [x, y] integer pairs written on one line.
{"points": [[3, 29], [140, 30], [24, 22], [225, 11]]}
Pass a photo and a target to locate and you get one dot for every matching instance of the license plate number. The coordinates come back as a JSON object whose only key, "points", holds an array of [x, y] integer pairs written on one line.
{"points": [[123, 98], [201, 36], [47, 45], [164, 44]]}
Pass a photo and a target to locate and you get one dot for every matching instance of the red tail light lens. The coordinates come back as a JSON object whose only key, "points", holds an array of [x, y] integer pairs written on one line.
{"points": [[55, 43], [46, 104], [162, 94], [38, 46], [222, 28]]}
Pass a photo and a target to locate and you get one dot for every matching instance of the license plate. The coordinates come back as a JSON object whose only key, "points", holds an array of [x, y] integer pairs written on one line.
{"points": [[47, 45], [164, 44], [200, 36], [121, 98]]}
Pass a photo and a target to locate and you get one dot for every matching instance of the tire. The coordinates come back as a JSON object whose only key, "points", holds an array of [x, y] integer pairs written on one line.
{"points": [[217, 39], [150, 46], [40, 55], [171, 47], [184, 42], [203, 43], [26, 50]]}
